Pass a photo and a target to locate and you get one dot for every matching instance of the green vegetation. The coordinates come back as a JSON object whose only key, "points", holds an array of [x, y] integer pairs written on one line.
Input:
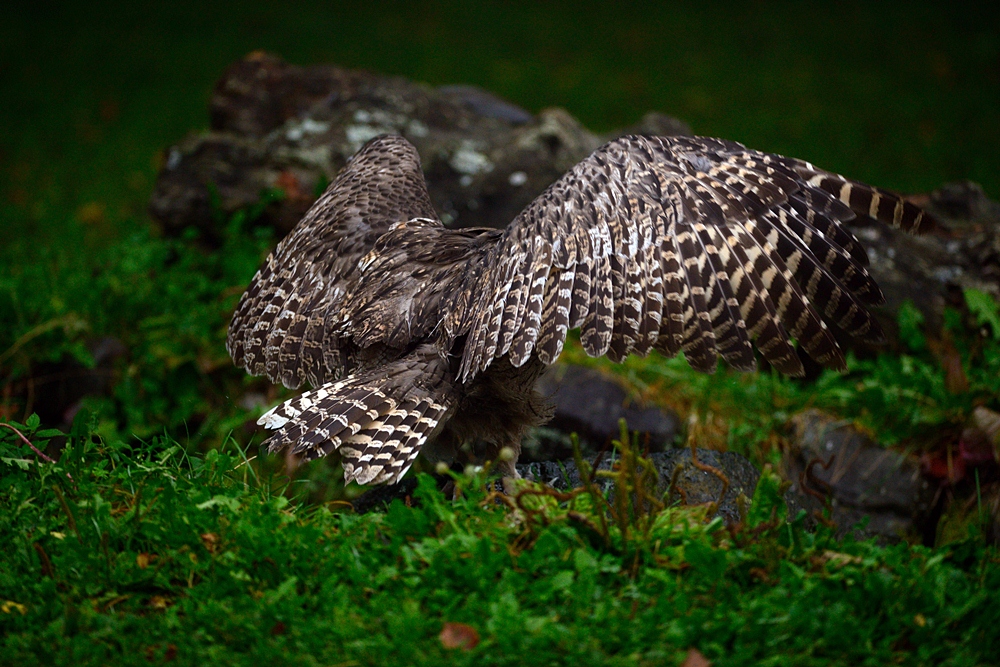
{"points": [[123, 554], [919, 399], [158, 536]]}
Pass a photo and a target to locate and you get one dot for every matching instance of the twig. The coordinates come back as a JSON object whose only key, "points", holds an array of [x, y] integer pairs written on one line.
{"points": [[704, 467], [42, 455], [47, 570], [69, 513], [807, 478]]}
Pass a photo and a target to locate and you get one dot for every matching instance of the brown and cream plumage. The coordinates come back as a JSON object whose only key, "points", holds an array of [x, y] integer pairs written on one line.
{"points": [[417, 338]]}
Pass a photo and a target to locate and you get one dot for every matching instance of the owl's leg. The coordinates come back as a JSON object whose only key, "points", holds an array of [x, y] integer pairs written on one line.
{"points": [[504, 455]]}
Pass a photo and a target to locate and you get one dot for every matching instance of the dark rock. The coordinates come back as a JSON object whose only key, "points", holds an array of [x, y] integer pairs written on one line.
{"points": [[486, 104], [964, 200], [692, 486], [590, 404], [275, 125], [56, 390], [259, 93], [933, 270], [860, 479]]}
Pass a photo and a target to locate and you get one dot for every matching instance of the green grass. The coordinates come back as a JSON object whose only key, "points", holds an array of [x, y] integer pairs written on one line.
{"points": [[905, 399], [124, 554]]}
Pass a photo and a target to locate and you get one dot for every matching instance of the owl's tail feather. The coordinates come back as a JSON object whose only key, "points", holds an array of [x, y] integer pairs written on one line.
{"points": [[378, 420]]}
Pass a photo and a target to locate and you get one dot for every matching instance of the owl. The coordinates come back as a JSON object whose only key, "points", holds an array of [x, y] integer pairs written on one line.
{"points": [[416, 338]]}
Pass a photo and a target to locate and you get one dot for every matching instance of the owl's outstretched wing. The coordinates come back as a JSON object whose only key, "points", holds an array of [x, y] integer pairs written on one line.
{"points": [[681, 244], [287, 323]]}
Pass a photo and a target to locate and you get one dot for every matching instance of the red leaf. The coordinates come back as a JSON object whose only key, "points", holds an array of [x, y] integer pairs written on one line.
{"points": [[695, 659], [459, 635]]}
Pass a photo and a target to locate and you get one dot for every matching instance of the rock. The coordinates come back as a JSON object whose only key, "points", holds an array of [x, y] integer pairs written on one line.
{"points": [[693, 486], [591, 403], [56, 390], [933, 270], [861, 480], [279, 126]]}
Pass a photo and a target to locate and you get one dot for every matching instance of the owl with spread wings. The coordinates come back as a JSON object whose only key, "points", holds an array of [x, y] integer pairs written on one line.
{"points": [[416, 338]]}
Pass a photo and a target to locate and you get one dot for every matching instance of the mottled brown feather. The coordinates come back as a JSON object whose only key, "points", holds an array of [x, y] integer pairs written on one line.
{"points": [[418, 337]]}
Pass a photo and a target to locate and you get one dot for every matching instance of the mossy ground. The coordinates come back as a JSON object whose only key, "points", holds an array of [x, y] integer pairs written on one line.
{"points": [[146, 554]]}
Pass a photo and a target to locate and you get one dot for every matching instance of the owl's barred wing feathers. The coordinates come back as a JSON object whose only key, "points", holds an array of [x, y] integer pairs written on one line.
{"points": [[287, 323], [681, 244], [378, 420]]}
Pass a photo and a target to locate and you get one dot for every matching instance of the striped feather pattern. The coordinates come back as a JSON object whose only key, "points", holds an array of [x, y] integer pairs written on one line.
{"points": [[285, 325], [377, 421], [679, 244], [683, 243]]}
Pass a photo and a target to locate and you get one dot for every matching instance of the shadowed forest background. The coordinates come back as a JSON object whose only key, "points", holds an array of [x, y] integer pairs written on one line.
{"points": [[903, 95], [163, 527]]}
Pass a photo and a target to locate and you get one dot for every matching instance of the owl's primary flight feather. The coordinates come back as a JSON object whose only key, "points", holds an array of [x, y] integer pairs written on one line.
{"points": [[418, 338]]}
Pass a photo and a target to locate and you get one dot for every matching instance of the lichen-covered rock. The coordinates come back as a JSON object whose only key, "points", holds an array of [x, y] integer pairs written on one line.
{"points": [[933, 270], [279, 126]]}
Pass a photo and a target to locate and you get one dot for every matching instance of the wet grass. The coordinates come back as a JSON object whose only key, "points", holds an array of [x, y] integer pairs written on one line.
{"points": [[140, 554]]}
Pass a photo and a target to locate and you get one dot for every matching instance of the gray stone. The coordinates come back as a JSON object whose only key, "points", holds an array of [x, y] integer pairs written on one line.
{"points": [[692, 486], [861, 480], [591, 403], [934, 269], [275, 125]]}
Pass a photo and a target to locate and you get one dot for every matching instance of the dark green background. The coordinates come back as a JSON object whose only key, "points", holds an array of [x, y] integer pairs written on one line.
{"points": [[905, 96]]}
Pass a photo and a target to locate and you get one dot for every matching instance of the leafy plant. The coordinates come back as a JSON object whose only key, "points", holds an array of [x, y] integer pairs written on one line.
{"points": [[130, 553], [915, 398], [167, 302]]}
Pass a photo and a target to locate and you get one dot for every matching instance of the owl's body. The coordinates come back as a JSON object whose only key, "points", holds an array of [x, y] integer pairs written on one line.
{"points": [[419, 338]]}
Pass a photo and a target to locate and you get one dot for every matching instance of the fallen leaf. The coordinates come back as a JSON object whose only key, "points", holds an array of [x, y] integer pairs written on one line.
{"points": [[211, 541], [143, 560], [694, 658], [159, 602], [459, 635], [9, 607]]}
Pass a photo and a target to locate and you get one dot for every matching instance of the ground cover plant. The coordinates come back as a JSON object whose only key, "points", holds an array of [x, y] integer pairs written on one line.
{"points": [[144, 553]]}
